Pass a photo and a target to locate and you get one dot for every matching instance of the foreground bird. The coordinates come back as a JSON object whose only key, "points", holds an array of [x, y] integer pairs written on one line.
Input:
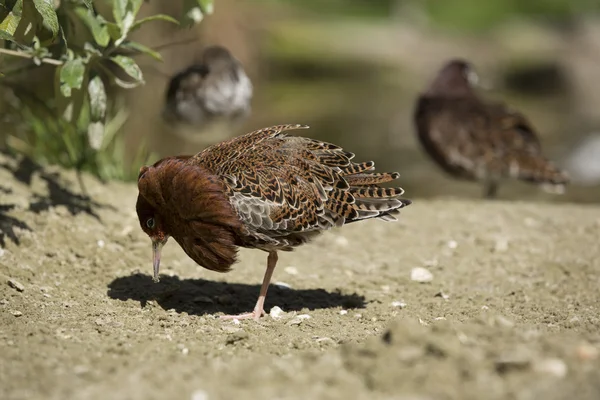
{"points": [[478, 140], [263, 190], [216, 88]]}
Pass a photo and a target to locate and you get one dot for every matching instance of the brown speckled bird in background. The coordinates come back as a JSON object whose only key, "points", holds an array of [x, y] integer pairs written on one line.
{"points": [[478, 140], [264, 190], [217, 88]]}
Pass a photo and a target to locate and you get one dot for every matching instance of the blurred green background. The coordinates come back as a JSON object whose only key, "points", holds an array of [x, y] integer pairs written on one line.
{"points": [[352, 69]]}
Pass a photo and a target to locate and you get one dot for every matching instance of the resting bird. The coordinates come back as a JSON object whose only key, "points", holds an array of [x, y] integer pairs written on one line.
{"points": [[477, 140], [264, 190], [215, 89]]}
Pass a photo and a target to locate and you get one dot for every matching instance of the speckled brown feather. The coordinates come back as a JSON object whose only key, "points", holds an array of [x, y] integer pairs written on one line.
{"points": [[264, 190], [473, 139], [286, 189]]}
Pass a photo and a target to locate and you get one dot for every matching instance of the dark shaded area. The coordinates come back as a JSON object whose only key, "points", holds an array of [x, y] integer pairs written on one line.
{"points": [[8, 225], [201, 297], [58, 195], [538, 79]]}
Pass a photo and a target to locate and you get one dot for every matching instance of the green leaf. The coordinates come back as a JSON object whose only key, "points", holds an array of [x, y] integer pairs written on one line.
{"points": [[9, 26], [88, 4], [130, 67], [194, 11], [142, 49], [6, 36], [99, 31], [71, 76], [157, 17], [207, 6], [49, 18], [119, 10], [113, 30], [98, 99]]}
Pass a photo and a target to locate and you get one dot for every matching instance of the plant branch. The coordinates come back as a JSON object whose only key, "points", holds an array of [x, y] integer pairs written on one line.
{"points": [[15, 53]]}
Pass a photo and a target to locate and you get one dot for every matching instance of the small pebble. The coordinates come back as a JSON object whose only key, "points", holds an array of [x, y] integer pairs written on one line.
{"points": [[552, 366], [297, 320], [398, 304], [358, 316], [16, 285], [341, 241], [203, 299], [199, 395], [452, 244], [283, 285], [276, 312], [236, 337], [3, 302], [442, 295], [501, 245], [343, 312], [587, 352], [291, 270], [101, 243], [421, 275], [16, 313], [1, 252]]}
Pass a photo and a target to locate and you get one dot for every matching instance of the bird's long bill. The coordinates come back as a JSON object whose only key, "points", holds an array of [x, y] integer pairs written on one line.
{"points": [[156, 248]]}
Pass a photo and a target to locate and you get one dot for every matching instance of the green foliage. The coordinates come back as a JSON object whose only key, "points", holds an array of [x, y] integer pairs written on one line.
{"points": [[78, 125]]}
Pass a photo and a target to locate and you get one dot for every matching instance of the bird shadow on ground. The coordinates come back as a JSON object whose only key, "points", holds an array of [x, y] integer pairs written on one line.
{"points": [[58, 194], [201, 297]]}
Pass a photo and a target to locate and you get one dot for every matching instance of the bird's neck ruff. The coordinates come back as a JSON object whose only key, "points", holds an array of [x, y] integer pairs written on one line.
{"points": [[195, 208]]}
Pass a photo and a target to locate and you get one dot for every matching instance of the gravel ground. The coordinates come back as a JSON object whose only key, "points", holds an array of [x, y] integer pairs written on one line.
{"points": [[460, 299]]}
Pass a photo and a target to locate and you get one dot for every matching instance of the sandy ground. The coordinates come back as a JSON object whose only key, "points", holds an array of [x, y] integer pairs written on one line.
{"points": [[512, 310]]}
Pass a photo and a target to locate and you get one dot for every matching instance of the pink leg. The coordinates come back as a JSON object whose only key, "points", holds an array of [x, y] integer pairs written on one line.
{"points": [[259, 307]]}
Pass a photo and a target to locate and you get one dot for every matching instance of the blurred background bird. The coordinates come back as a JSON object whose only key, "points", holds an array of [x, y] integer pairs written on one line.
{"points": [[209, 98], [480, 140]]}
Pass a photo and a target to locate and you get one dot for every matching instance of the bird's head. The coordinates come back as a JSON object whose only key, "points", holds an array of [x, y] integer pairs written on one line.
{"points": [[153, 225], [456, 78]]}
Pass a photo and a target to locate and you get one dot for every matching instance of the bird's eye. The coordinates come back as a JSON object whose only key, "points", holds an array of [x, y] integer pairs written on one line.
{"points": [[150, 223]]}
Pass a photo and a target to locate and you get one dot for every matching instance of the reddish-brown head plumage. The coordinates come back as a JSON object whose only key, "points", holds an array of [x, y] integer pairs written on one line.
{"points": [[264, 190], [188, 203]]}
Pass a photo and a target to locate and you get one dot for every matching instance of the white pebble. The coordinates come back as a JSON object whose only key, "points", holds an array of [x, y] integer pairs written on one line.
{"points": [[283, 285], [341, 241], [291, 270], [16, 313], [343, 312], [1, 252], [552, 366], [101, 243], [399, 304], [199, 395], [421, 275], [501, 245], [297, 320], [276, 312], [452, 244]]}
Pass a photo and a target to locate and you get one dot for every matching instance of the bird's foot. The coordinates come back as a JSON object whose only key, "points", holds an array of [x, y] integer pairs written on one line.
{"points": [[256, 314]]}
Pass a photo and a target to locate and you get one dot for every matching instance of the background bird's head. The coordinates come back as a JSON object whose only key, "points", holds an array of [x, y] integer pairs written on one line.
{"points": [[456, 78], [218, 57]]}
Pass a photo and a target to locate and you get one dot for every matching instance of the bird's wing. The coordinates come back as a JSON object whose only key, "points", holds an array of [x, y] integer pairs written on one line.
{"points": [[471, 133], [280, 184]]}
